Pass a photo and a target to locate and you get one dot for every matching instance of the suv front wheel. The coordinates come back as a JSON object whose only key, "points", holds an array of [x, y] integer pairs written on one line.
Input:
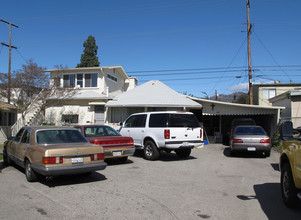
{"points": [[151, 151]]}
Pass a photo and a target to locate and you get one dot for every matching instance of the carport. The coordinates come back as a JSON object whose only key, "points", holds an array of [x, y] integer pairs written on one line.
{"points": [[218, 116]]}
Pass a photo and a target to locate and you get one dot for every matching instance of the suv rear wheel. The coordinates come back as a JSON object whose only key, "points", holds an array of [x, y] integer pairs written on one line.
{"points": [[183, 153], [288, 189], [151, 151]]}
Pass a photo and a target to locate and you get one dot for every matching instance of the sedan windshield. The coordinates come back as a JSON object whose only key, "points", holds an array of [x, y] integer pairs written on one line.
{"points": [[59, 136], [249, 130]]}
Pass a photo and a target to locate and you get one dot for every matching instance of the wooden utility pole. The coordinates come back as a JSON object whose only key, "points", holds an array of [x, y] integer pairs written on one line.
{"points": [[249, 54], [9, 59]]}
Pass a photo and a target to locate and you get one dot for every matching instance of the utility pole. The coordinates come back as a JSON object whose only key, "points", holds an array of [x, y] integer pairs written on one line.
{"points": [[9, 59], [249, 54]]}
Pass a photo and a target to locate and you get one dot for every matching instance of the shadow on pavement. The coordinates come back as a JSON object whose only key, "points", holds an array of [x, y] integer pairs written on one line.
{"points": [[243, 154], [269, 198], [164, 156]]}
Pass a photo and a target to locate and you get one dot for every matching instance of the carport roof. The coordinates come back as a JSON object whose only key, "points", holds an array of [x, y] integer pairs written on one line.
{"points": [[152, 94], [211, 107]]}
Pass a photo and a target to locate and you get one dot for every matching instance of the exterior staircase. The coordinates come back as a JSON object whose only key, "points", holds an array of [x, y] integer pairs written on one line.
{"points": [[33, 115]]}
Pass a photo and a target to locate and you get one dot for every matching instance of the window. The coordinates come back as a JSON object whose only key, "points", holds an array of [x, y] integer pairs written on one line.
{"points": [[70, 119], [112, 77], [136, 121], [91, 80], [69, 80], [158, 120], [80, 80], [268, 93], [18, 135], [25, 137]]}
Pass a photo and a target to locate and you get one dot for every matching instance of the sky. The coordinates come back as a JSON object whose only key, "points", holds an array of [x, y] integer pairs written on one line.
{"points": [[196, 47]]}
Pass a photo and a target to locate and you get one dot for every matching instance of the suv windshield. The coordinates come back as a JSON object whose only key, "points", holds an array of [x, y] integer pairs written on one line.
{"points": [[173, 120]]}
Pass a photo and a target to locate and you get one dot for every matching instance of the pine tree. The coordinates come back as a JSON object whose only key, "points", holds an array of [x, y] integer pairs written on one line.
{"points": [[89, 57]]}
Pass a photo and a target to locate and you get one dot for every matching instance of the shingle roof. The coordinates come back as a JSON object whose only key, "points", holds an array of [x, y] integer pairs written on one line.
{"points": [[152, 94], [7, 107]]}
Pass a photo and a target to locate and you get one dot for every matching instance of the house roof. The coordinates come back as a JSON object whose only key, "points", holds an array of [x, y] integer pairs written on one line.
{"points": [[152, 94], [83, 95], [118, 68], [286, 95], [7, 107]]}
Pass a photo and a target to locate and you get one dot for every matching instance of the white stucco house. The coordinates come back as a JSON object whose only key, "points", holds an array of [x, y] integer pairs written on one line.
{"points": [[83, 94]]}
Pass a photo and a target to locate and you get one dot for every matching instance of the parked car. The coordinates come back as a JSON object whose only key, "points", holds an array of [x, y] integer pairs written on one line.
{"points": [[114, 145], [241, 121], [290, 166], [250, 138], [168, 131], [52, 151]]}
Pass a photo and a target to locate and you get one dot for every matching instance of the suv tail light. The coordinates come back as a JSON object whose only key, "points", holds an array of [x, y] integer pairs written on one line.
{"points": [[267, 141], [201, 133], [52, 160], [99, 156], [167, 134], [237, 141]]}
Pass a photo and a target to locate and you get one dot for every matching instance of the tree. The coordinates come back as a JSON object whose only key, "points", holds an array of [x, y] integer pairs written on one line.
{"points": [[243, 99], [89, 57], [26, 83]]}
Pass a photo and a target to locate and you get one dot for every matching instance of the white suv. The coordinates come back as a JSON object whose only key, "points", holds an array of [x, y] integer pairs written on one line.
{"points": [[168, 131]]}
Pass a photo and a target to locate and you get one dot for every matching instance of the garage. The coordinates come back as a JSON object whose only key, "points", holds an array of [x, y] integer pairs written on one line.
{"points": [[217, 117]]}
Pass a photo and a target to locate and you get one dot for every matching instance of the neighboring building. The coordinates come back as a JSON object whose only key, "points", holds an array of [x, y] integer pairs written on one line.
{"points": [[291, 100], [8, 116], [263, 92], [84, 93]]}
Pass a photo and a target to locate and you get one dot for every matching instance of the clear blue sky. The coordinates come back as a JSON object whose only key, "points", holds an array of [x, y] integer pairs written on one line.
{"points": [[156, 35]]}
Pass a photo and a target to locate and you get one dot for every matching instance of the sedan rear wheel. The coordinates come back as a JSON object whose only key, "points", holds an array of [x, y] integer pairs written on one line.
{"points": [[31, 175]]}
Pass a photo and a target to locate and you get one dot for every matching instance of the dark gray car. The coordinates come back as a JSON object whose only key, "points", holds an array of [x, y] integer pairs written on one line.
{"points": [[249, 138]]}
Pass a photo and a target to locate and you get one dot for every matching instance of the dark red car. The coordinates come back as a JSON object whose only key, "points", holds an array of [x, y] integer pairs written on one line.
{"points": [[114, 145]]}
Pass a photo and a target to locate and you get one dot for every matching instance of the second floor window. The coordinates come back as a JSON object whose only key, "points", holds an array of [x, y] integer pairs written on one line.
{"points": [[268, 93], [81, 80]]}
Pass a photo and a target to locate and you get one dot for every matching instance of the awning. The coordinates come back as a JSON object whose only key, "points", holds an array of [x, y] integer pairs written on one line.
{"points": [[70, 110]]}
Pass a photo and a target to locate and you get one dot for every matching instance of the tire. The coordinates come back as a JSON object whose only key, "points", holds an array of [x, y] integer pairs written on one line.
{"points": [[288, 189], [267, 153], [183, 153], [30, 174], [6, 159], [122, 159], [151, 151]]}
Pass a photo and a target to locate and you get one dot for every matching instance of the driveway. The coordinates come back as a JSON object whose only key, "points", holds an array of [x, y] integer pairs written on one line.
{"points": [[208, 185]]}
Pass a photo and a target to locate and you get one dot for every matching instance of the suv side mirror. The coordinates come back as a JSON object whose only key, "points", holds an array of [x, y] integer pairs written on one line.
{"points": [[286, 131]]}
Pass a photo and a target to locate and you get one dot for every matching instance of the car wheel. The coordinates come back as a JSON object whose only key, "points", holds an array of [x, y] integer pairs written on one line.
{"points": [[183, 153], [6, 159], [267, 153], [288, 189], [122, 159], [151, 151], [31, 175]]}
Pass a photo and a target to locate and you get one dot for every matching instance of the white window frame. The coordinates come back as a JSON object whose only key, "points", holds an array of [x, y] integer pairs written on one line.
{"points": [[83, 80]]}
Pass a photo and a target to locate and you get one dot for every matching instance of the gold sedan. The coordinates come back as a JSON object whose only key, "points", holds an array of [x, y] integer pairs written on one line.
{"points": [[52, 151]]}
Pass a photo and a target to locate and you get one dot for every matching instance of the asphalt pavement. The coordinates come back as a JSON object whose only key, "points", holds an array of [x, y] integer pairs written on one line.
{"points": [[208, 185]]}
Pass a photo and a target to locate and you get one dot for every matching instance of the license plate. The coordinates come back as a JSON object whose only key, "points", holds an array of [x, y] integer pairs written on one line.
{"points": [[251, 149], [118, 153], [77, 160]]}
